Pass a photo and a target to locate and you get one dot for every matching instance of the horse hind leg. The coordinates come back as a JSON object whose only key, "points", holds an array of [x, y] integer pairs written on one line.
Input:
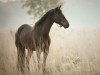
{"points": [[28, 57], [21, 58]]}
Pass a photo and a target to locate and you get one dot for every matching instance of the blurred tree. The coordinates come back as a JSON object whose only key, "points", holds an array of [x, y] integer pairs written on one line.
{"points": [[39, 7]]}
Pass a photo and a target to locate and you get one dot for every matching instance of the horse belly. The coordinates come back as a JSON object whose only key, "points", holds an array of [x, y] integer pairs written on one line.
{"points": [[28, 42]]}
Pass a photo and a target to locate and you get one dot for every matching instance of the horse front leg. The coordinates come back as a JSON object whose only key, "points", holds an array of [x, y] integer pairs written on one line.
{"points": [[45, 54], [38, 59]]}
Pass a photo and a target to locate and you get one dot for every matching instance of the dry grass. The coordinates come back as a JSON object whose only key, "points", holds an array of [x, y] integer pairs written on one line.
{"points": [[72, 52]]}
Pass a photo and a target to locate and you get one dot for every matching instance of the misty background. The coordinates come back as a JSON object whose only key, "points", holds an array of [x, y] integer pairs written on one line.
{"points": [[73, 51], [79, 13]]}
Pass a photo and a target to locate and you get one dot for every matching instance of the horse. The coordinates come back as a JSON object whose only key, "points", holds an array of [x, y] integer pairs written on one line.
{"points": [[37, 38]]}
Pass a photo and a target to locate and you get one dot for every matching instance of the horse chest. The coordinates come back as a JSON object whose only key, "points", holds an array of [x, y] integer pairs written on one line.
{"points": [[42, 43]]}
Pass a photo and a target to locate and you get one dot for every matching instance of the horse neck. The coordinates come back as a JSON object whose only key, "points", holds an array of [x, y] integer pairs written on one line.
{"points": [[45, 26]]}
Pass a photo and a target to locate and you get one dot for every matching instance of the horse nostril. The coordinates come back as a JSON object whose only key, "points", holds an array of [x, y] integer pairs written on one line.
{"points": [[68, 25]]}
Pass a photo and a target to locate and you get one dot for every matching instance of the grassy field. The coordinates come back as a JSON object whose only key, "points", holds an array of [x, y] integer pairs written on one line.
{"points": [[72, 52]]}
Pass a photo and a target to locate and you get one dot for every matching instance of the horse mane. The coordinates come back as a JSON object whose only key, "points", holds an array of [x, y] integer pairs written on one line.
{"points": [[41, 20]]}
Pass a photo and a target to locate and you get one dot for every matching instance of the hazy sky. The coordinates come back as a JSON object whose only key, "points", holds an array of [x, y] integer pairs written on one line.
{"points": [[83, 12], [78, 12]]}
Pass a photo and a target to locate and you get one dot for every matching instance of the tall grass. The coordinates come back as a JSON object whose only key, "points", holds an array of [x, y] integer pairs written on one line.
{"points": [[72, 52]]}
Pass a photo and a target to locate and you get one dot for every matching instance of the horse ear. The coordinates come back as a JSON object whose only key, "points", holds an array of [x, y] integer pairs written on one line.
{"points": [[59, 7]]}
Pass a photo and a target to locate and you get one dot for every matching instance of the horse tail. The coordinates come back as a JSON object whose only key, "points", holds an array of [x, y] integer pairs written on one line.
{"points": [[20, 51]]}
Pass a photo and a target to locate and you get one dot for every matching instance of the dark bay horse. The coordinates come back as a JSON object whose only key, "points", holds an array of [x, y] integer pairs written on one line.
{"points": [[37, 38]]}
